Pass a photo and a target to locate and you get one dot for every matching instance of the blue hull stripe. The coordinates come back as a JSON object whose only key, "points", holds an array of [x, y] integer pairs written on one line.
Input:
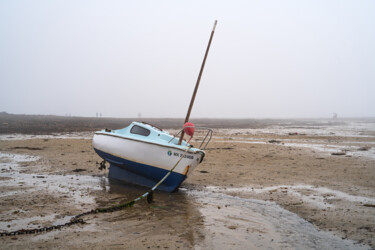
{"points": [[140, 174]]}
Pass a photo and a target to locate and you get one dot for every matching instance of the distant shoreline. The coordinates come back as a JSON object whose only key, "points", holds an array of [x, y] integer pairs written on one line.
{"points": [[45, 124]]}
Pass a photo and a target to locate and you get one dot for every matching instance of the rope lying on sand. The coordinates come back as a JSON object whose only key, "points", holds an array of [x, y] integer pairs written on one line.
{"points": [[77, 219]]}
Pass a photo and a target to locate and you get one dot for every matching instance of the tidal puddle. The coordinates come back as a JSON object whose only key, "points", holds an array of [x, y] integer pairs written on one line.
{"points": [[239, 223], [327, 148], [320, 197], [13, 183], [77, 187], [73, 135], [33, 222], [348, 129], [334, 148], [322, 128]]}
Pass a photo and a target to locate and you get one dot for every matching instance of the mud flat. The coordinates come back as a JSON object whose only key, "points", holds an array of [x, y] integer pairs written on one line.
{"points": [[265, 187]]}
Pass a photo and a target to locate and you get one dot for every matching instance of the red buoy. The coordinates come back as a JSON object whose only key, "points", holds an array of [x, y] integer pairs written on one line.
{"points": [[189, 129]]}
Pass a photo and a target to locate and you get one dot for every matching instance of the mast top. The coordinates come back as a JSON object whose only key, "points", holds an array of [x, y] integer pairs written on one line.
{"points": [[213, 29]]}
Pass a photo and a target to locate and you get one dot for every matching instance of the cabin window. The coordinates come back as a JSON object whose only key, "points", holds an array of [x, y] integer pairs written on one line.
{"points": [[140, 131]]}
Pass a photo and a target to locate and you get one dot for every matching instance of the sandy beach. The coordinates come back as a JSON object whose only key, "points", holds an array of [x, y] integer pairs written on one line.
{"points": [[265, 186]]}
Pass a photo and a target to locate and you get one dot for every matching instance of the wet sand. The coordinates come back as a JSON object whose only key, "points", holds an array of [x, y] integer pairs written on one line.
{"points": [[256, 188]]}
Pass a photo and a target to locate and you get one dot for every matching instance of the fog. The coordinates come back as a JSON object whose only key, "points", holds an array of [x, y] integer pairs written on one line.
{"points": [[268, 59]]}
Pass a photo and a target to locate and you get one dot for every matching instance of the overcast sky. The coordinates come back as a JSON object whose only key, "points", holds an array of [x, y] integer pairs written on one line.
{"points": [[268, 59]]}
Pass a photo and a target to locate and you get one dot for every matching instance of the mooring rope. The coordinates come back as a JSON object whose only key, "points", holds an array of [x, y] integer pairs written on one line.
{"points": [[77, 219]]}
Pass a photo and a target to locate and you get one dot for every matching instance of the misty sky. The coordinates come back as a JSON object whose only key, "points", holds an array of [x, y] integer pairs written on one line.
{"points": [[268, 59]]}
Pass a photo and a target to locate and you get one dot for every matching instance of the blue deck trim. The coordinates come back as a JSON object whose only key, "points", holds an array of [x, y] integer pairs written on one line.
{"points": [[140, 174]]}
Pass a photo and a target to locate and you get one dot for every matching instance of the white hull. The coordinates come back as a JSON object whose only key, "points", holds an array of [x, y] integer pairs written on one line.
{"points": [[147, 153]]}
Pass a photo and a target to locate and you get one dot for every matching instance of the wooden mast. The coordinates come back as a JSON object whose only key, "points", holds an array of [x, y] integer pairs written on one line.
{"points": [[197, 84]]}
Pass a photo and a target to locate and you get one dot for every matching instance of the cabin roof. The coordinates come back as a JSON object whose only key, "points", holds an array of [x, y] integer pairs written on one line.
{"points": [[155, 135]]}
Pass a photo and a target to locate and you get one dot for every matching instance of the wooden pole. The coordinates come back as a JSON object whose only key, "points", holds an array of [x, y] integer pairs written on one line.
{"points": [[197, 84]]}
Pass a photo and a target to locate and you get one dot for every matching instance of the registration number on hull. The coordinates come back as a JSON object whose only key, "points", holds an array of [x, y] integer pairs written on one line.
{"points": [[176, 154]]}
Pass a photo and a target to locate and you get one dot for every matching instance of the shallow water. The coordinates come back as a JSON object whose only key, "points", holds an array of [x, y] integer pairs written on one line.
{"points": [[352, 147], [240, 223], [315, 196], [76, 188], [72, 135], [327, 148], [324, 128]]}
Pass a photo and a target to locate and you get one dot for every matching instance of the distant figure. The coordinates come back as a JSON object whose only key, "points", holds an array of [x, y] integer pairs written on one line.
{"points": [[100, 115], [334, 116], [97, 115]]}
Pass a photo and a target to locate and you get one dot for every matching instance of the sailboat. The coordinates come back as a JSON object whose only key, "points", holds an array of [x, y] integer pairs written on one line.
{"points": [[143, 154]]}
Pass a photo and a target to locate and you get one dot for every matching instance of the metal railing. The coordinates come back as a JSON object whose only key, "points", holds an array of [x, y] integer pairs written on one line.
{"points": [[207, 137]]}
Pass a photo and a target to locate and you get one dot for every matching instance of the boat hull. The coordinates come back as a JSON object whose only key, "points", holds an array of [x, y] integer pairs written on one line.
{"points": [[145, 163], [140, 174]]}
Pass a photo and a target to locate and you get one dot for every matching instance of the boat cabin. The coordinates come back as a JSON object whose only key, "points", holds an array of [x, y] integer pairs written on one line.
{"points": [[146, 132]]}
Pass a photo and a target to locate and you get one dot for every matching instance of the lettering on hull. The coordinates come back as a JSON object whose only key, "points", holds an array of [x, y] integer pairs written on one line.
{"points": [[176, 154]]}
